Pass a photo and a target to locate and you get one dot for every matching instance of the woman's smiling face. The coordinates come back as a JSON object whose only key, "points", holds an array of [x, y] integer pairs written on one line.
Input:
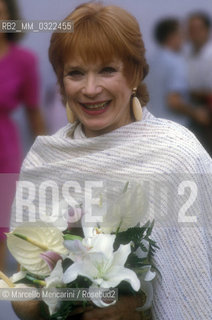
{"points": [[99, 95]]}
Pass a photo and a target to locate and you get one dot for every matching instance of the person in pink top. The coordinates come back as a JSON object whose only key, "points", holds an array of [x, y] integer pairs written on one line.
{"points": [[19, 84]]}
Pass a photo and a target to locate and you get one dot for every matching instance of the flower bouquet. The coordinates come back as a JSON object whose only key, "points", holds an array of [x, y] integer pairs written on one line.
{"points": [[116, 254]]}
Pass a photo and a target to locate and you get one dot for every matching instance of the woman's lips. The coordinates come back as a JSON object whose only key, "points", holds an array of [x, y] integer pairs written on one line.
{"points": [[96, 108], [94, 102]]}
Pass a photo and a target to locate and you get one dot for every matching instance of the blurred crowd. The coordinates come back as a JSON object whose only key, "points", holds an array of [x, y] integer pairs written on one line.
{"points": [[180, 78]]}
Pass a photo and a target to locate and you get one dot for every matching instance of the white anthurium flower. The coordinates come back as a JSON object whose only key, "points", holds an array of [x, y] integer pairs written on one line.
{"points": [[6, 282], [28, 241], [104, 268], [4, 285], [18, 276], [55, 280], [126, 211]]}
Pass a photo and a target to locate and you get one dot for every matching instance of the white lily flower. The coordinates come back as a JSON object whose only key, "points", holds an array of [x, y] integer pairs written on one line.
{"points": [[90, 231], [28, 241], [53, 304], [104, 267], [79, 250], [96, 299], [55, 280]]}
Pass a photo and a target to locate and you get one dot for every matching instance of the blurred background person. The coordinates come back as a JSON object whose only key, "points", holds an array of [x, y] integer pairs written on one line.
{"points": [[199, 60], [168, 80], [19, 84]]}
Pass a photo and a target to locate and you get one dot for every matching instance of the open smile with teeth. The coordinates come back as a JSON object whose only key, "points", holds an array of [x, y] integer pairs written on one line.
{"points": [[97, 106]]}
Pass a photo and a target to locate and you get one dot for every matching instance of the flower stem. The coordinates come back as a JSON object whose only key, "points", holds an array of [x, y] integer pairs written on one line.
{"points": [[34, 242], [36, 281], [7, 280]]}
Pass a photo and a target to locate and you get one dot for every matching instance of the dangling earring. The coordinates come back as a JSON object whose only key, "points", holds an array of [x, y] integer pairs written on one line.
{"points": [[70, 115], [136, 106]]}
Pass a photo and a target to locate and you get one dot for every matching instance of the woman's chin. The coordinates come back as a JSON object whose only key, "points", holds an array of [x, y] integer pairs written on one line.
{"points": [[96, 127]]}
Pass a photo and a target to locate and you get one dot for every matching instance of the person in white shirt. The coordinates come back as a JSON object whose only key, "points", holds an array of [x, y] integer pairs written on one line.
{"points": [[167, 80]]}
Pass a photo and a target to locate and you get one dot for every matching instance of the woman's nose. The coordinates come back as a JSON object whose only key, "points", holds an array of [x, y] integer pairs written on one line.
{"points": [[92, 85]]}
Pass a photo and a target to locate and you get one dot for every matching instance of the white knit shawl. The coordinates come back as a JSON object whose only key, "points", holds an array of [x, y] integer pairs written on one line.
{"points": [[150, 149]]}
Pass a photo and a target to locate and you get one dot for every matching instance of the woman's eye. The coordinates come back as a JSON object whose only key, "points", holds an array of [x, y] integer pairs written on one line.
{"points": [[75, 73], [108, 70]]}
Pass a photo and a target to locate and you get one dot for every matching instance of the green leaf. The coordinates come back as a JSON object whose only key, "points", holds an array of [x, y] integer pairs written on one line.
{"points": [[143, 248], [146, 225], [68, 236], [149, 230], [64, 311]]}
